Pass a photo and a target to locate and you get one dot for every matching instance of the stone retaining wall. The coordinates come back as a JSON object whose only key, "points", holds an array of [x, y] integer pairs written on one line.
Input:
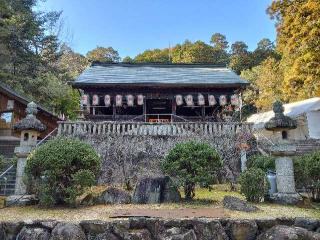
{"points": [[130, 157], [154, 228]]}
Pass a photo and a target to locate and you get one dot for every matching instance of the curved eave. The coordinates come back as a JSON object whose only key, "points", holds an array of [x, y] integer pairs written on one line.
{"points": [[150, 84]]}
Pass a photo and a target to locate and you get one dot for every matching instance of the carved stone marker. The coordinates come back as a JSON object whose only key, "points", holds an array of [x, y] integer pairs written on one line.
{"points": [[283, 151]]}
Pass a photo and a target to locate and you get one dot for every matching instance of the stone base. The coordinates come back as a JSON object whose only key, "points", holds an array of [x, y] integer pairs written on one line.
{"points": [[286, 198], [21, 200]]}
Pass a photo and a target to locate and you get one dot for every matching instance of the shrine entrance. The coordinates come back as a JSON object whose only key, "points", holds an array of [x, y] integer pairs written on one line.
{"points": [[158, 110]]}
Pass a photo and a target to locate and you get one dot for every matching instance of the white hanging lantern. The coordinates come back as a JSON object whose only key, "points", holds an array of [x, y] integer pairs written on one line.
{"points": [[84, 99], [95, 100], [212, 100], [130, 100], [189, 100], [223, 100], [119, 100], [235, 100], [179, 100], [107, 100], [201, 100], [140, 99]]}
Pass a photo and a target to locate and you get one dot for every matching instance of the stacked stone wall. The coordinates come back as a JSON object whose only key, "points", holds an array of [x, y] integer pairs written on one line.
{"points": [[154, 229], [127, 157]]}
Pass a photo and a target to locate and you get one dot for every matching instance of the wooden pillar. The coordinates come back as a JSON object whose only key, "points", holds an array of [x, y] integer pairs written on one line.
{"points": [[203, 112], [174, 108], [145, 108], [114, 112]]}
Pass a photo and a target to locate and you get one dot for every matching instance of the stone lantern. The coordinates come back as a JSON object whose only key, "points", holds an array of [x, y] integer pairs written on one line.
{"points": [[29, 128], [283, 152]]}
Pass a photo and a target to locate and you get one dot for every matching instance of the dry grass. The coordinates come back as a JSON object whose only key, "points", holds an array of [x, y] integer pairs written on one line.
{"points": [[204, 199]]}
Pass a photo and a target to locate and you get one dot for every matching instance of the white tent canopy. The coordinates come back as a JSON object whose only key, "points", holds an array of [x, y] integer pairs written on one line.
{"points": [[310, 108]]}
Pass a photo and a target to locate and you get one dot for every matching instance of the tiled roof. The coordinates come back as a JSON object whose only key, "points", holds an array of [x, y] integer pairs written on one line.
{"points": [[158, 74], [22, 99]]}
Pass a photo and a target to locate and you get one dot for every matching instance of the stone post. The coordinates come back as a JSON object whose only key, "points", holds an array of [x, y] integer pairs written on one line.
{"points": [[29, 128]]}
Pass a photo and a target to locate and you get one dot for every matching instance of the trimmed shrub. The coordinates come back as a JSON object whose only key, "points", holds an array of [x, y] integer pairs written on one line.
{"points": [[62, 169], [307, 173], [262, 162], [254, 184], [192, 163]]}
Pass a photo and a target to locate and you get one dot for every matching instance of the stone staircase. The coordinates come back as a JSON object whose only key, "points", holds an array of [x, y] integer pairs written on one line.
{"points": [[7, 147], [303, 146], [307, 146], [7, 180]]}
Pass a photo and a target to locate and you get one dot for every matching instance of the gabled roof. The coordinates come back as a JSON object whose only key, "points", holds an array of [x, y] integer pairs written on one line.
{"points": [[22, 99], [292, 110], [158, 74]]}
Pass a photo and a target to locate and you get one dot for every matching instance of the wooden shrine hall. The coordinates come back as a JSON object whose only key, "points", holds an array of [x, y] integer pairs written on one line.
{"points": [[159, 92]]}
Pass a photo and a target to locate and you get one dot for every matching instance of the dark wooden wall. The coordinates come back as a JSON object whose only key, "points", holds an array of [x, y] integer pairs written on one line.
{"points": [[19, 113]]}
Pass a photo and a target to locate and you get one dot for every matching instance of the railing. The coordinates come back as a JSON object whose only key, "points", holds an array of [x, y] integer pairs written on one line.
{"points": [[154, 129], [46, 138], [3, 176]]}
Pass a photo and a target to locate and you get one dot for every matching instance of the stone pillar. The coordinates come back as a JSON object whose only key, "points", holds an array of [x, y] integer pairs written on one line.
{"points": [[243, 158], [285, 174], [28, 141]]}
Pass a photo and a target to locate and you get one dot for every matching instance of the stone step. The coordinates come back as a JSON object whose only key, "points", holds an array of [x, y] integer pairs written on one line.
{"points": [[7, 192], [7, 148]]}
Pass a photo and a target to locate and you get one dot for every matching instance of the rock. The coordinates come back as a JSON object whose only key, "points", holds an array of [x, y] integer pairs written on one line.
{"points": [[234, 203], [288, 233], [176, 233], [152, 224], [170, 192], [104, 236], [121, 228], [189, 235], [309, 224], [28, 233], [21, 200], [242, 229], [139, 234], [285, 221], [94, 227], [209, 229], [115, 196], [155, 190], [9, 231], [265, 224], [67, 231], [286, 198]]}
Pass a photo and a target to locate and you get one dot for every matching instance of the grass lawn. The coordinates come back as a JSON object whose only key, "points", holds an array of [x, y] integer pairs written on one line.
{"points": [[204, 201]]}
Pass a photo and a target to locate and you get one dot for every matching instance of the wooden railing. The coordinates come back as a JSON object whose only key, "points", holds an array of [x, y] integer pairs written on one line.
{"points": [[152, 129]]}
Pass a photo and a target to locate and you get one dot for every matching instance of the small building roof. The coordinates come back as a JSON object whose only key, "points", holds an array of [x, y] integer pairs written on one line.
{"points": [[22, 99], [292, 110], [159, 74]]}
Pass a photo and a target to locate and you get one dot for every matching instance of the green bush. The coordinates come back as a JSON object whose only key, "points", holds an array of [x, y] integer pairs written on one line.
{"points": [[262, 162], [62, 169], [307, 173], [254, 184], [192, 163]]}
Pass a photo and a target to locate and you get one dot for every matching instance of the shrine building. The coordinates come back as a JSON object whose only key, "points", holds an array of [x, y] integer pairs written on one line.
{"points": [[159, 92]]}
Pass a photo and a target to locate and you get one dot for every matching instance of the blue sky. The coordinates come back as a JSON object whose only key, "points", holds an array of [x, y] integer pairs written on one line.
{"points": [[132, 26]]}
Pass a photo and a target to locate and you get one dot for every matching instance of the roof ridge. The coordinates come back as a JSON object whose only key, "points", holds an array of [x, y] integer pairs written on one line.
{"points": [[158, 64]]}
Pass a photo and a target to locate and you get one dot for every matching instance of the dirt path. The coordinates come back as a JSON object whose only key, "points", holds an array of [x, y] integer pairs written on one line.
{"points": [[170, 213]]}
